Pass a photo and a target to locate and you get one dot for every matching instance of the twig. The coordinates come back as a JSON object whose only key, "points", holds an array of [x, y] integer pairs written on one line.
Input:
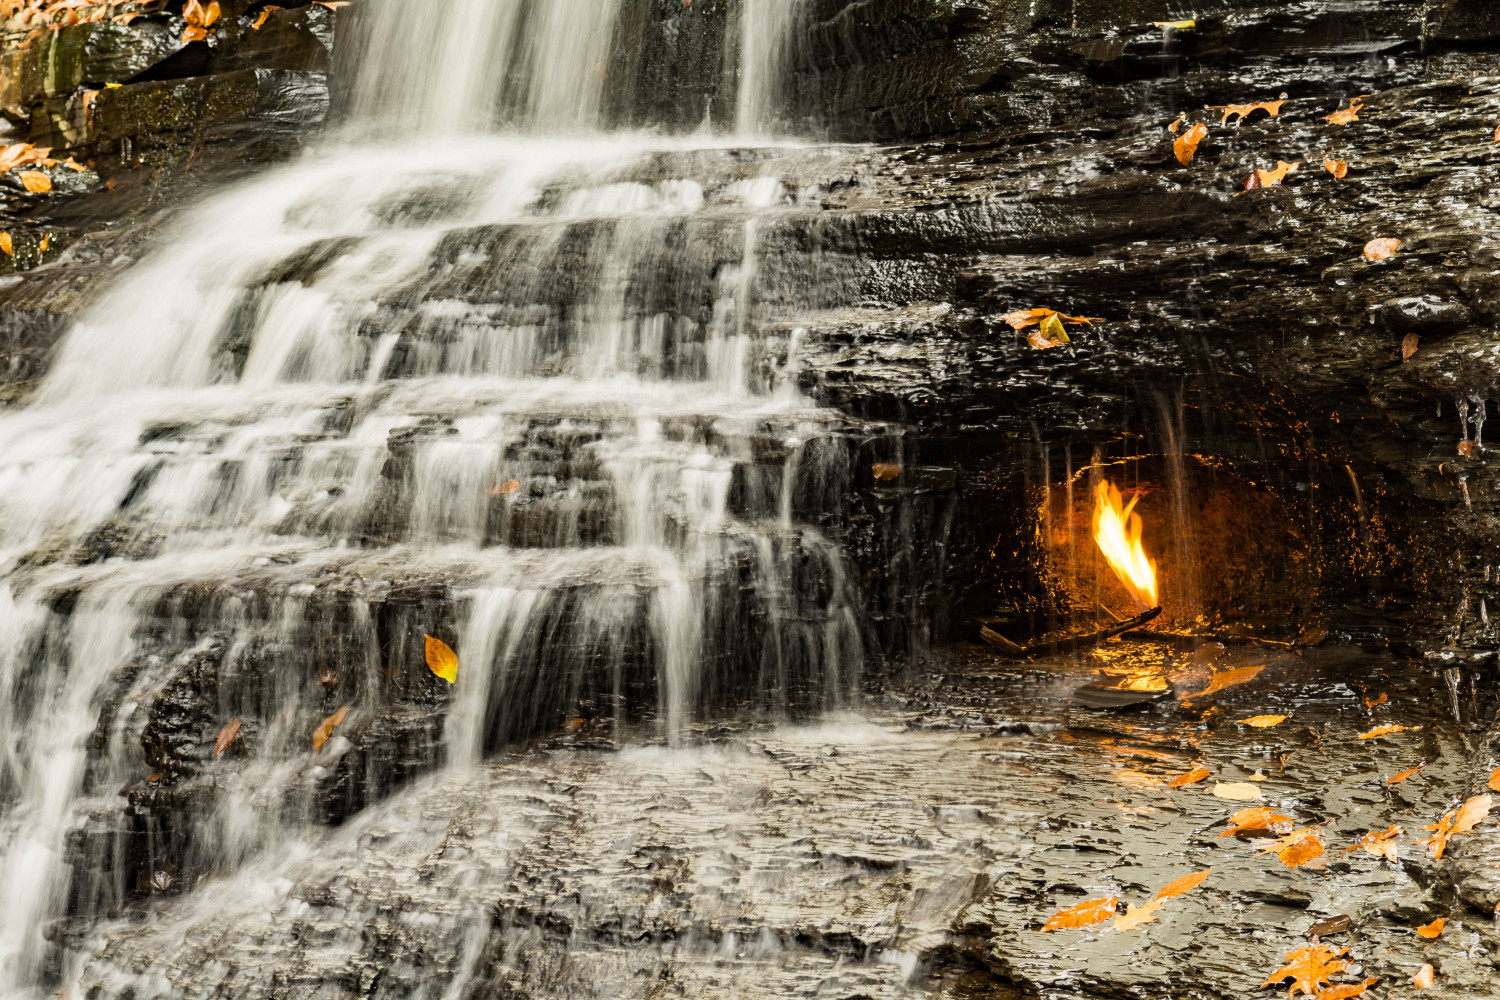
{"points": [[1190, 640], [1068, 644]]}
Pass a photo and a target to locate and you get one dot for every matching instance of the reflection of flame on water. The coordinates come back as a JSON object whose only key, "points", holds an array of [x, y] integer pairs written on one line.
{"points": [[1117, 530]]}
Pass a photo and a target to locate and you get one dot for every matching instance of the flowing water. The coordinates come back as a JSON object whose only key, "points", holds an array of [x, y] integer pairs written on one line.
{"points": [[473, 368]]}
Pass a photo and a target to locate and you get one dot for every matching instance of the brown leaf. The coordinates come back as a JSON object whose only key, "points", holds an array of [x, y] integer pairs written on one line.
{"points": [[1259, 819], [1031, 317], [35, 181], [1185, 884], [1423, 979], [1387, 730], [1264, 721], [1381, 249], [1409, 345], [1330, 925], [1309, 968], [1243, 110], [1197, 774], [1401, 776], [504, 489], [1349, 114], [1134, 916], [442, 660], [324, 732], [1466, 448], [1186, 144], [1494, 783], [885, 471], [1346, 990], [227, 736], [1313, 635], [1337, 168], [1433, 929], [1083, 914]]}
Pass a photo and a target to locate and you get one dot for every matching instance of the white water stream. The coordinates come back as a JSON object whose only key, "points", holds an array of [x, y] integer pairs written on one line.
{"points": [[530, 365]]}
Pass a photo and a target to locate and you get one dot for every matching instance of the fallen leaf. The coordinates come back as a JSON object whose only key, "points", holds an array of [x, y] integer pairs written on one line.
{"points": [[1134, 916], [325, 731], [1472, 813], [1313, 635], [1387, 730], [573, 725], [1423, 979], [1466, 448], [1329, 925], [1346, 990], [1433, 929], [1349, 114], [1188, 25], [442, 660], [1240, 791], [1381, 249], [1302, 850], [1052, 329], [1082, 915], [1186, 144], [1264, 721], [1497, 133], [1494, 783], [1337, 168], [1373, 838], [1455, 821], [227, 736], [46, 242], [1273, 108], [264, 14], [35, 181], [1257, 819], [1227, 678], [885, 471], [1401, 776], [1309, 968], [1176, 124], [1185, 884], [1031, 317], [1197, 774], [1269, 178], [1372, 702], [504, 489], [7, 245]]}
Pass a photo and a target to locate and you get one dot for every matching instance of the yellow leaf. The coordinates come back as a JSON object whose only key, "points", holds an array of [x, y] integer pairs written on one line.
{"points": [[35, 181], [1186, 883], [264, 14], [1052, 329], [885, 471], [1349, 114], [442, 660], [1188, 25], [324, 732], [1134, 916], [1082, 915], [1227, 678], [1387, 731], [1240, 791], [46, 242], [1195, 775], [1264, 721], [7, 245], [1021, 319], [1309, 968]]}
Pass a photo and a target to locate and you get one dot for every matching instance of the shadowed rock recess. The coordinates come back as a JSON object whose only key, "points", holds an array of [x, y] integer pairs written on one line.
{"points": [[653, 354]]}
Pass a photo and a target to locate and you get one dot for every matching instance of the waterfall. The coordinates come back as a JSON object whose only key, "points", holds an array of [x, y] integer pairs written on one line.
{"points": [[474, 367]]}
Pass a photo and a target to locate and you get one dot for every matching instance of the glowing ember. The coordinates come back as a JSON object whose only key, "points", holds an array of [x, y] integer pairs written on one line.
{"points": [[1117, 530]]}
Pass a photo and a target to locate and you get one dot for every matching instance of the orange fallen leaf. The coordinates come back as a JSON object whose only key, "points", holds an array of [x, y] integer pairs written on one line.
{"points": [[1186, 144], [1134, 916], [324, 732], [264, 14], [1372, 838], [1083, 914], [885, 471], [1243, 110], [1238, 791], [1466, 448], [1497, 133], [1337, 168], [1387, 730], [1177, 124], [7, 244], [1381, 249], [1197, 774], [1185, 884], [1031, 317], [46, 242], [1269, 178], [35, 181], [227, 736], [1409, 345], [1472, 813], [1309, 968], [1349, 114], [1264, 721], [1227, 678], [1494, 783], [504, 489], [1302, 850], [1372, 702], [1433, 929], [1424, 978], [1259, 819], [1346, 990], [1455, 821], [441, 659], [1401, 776]]}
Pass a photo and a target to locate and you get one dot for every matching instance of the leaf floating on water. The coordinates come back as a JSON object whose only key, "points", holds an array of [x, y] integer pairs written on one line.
{"points": [[1387, 730], [1134, 916], [1259, 819], [1083, 914], [1349, 114], [35, 181], [504, 489], [442, 660], [1273, 108], [1264, 721], [1401, 776], [1433, 929], [885, 471], [324, 732], [1346, 990], [1309, 968], [1239, 791], [1186, 144], [1424, 978], [1337, 168], [1021, 319], [1409, 345], [1180, 886], [1381, 249], [227, 736], [1197, 774]]}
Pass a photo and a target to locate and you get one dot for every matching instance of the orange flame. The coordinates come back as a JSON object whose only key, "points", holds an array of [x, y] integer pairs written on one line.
{"points": [[1117, 531]]}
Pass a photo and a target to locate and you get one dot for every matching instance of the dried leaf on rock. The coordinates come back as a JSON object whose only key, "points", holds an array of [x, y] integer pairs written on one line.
{"points": [[1269, 178], [1239, 791], [35, 181], [1186, 144], [1313, 635], [1307, 846], [1083, 914], [504, 489], [1494, 783], [1346, 990], [1372, 702], [1185, 884], [1227, 678], [1401, 776], [1329, 925], [1273, 108], [1455, 821], [442, 660], [1134, 916], [1381, 249], [1466, 448], [1197, 774], [1187, 25], [885, 471], [1309, 968], [1409, 345], [1264, 721], [1372, 838], [264, 14], [1337, 168], [1424, 978], [1031, 317], [7, 244], [1472, 813], [324, 732], [1176, 124], [1387, 730], [1258, 819], [1349, 114], [227, 736], [1433, 929]]}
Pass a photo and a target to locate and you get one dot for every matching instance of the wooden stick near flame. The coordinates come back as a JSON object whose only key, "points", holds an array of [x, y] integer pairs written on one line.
{"points": [[1067, 644]]}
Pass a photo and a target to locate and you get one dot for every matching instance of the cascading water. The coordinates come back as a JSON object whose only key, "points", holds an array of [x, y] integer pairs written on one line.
{"points": [[517, 389]]}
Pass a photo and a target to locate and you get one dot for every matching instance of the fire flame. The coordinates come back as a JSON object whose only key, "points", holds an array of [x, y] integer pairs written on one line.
{"points": [[1117, 530]]}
